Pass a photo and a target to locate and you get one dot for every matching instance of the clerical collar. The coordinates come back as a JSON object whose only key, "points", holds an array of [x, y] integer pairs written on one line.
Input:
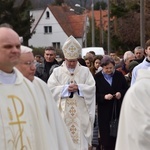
{"points": [[7, 78], [147, 60]]}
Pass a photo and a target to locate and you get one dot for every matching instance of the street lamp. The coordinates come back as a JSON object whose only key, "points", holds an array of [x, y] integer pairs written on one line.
{"points": [[93, 27], [85, 24], [101, 27], [78, 5]]}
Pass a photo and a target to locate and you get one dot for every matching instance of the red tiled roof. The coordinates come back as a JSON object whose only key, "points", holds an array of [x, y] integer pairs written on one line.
{"points": [[97, 18], [71, 23], [77, 23]]}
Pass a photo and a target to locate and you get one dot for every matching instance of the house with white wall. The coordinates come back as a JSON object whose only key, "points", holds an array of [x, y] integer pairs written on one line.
{"points": [[55, 24]]}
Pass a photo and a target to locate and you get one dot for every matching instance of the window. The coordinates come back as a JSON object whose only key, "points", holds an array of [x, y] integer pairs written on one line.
{"points": [[47, 14], [47, 29], [56, 45]]}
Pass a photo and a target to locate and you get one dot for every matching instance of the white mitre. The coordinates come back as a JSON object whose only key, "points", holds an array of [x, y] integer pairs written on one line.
{"points": [[71, 48]]}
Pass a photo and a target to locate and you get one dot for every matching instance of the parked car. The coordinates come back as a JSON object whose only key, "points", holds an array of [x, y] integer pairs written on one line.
{"points": [[97, 50]]}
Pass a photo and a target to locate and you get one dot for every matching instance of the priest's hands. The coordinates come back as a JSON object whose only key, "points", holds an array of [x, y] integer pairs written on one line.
{"points": [[73, 87]]}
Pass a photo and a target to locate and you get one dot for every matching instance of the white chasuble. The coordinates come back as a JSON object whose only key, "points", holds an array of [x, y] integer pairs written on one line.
{"points": [[21, 121], [78, 112], [134, 122]]}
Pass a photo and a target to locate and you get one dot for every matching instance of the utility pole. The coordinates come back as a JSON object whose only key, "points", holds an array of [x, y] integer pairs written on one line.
{"points": [[108, 30], [101, 28], [142, 23], [93, 28], [85, 26]]}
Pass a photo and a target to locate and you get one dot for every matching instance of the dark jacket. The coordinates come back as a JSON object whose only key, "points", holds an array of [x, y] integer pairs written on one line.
{"points": [[140, 60], [44, 70], [119, 84]]}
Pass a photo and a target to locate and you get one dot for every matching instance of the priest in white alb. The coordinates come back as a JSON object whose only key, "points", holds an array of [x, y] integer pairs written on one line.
{"points": [[134, 122], [73, 88]]}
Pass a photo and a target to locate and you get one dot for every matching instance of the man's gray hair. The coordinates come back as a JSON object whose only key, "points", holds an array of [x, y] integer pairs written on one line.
{"points": [[25, 49], [128, 54], [139, 48]]}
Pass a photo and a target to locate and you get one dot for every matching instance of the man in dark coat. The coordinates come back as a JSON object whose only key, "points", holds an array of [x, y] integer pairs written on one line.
{"points": [[139, 54], [44, 70]]}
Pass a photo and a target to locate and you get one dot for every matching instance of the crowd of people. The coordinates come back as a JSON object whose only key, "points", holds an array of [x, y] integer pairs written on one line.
{"points": [[51, 105]]}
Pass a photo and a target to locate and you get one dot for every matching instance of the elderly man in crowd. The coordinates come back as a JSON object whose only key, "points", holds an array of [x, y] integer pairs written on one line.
{"points": [[73, 88], [139, 54], [127, 58], [144, 65]]}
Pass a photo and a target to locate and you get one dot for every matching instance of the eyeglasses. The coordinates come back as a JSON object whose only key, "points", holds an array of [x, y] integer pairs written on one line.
{"points": [[30, 63]]}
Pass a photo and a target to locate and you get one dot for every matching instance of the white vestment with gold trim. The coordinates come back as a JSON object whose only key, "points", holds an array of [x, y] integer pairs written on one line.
{"points": [[78, 112], [23, 124]]}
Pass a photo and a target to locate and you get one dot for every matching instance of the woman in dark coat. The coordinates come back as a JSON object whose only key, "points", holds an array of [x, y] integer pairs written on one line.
{"points": [[110, 85]]}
